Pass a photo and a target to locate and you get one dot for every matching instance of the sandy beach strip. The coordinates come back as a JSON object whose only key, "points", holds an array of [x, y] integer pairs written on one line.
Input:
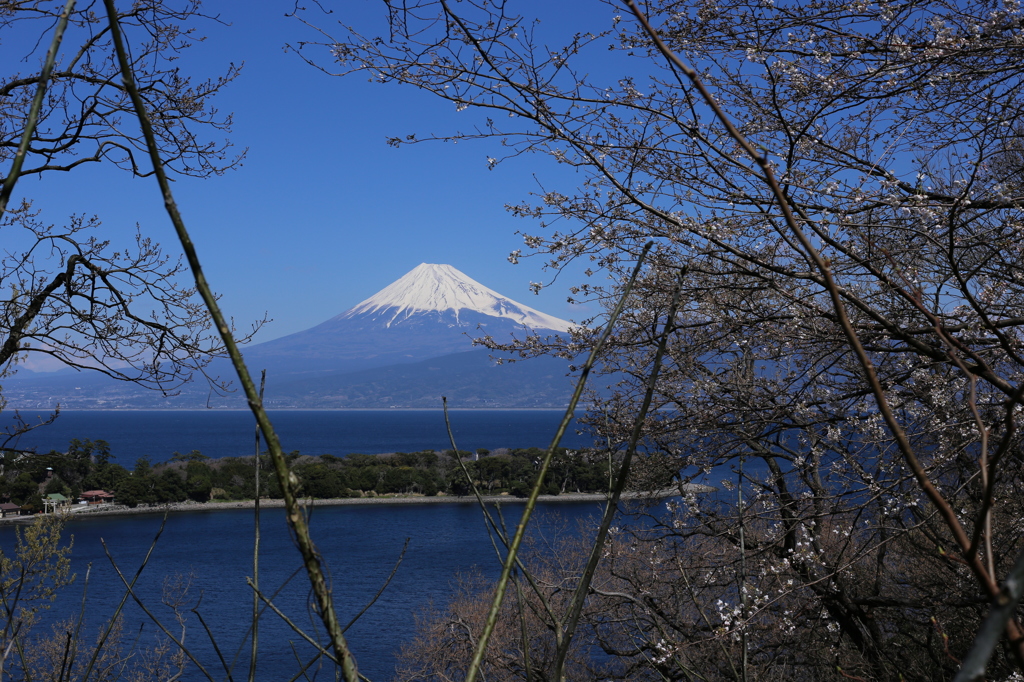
{"points": [[92, 511]]}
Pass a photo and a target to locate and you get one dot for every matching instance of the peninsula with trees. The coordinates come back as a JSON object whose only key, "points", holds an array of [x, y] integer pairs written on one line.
{"points": [[88, 465]]}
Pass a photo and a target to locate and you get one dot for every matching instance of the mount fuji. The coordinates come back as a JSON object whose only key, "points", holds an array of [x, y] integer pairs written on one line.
{"points": [[405, 346], [430, 289], [432, 310]]}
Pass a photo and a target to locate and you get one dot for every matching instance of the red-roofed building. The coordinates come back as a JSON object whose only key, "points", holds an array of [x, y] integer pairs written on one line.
{"points": [[97, 497]]}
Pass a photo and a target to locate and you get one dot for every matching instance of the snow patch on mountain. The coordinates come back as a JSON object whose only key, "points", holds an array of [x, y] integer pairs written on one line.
{"points": [[431, 287]]}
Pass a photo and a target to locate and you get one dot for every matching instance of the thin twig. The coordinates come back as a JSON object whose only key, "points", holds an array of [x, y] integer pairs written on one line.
{"points": [[284, 584], [213, 641], [382, 588], [81, 614], [179, 643], [301, 633], [256, 545], [305, 667], [124, 599]]}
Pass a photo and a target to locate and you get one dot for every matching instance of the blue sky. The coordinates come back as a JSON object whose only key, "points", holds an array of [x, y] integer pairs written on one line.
{"points": [[323, 213]]}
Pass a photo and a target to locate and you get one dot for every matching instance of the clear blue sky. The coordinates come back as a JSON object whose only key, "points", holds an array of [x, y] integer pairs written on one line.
{"points": [[323, 213]]}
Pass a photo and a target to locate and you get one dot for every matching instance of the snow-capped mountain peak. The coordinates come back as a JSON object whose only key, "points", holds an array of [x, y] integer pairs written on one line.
{"points": [[431, 287]]}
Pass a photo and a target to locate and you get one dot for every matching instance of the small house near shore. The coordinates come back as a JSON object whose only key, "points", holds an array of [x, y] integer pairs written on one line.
{"points": [[9, 509], [96, 497]]}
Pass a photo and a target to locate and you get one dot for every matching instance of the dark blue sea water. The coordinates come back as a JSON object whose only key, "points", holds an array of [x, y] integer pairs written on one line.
{"points": [[360, 545], [223, 433]]}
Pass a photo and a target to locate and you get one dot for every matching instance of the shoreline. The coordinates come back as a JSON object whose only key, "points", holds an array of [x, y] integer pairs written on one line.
{"points": [[185, 507]]}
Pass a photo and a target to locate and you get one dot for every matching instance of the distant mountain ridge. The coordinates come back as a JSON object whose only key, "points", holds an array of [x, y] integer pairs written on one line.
{"points": [[359, 358]]}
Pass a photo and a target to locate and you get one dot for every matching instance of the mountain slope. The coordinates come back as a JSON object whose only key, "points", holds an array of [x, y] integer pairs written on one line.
{"points": [[432, 288], [433, 310], [469, 379]]}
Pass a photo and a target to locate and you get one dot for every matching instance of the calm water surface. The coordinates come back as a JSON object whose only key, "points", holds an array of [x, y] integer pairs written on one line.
{"points": [[222, 433], [360, 545]]}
